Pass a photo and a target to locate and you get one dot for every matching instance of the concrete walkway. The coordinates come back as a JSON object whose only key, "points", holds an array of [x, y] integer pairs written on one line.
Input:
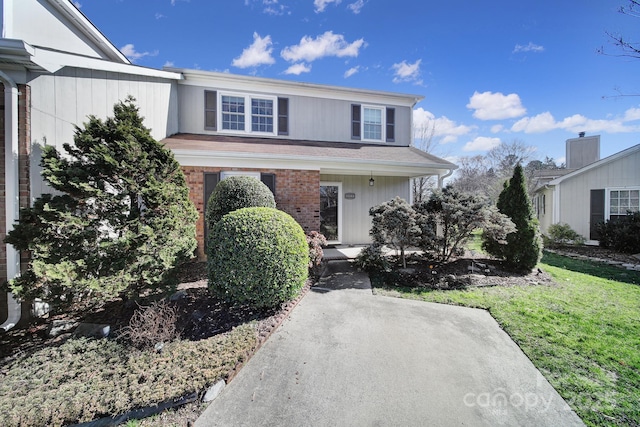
{"points": [[348, 358]]}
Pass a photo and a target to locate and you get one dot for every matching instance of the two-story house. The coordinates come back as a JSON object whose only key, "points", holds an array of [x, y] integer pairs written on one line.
{"points": [[328, 153]]}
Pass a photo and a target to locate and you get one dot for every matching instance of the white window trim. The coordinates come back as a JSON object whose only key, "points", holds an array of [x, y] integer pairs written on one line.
{"points": [[227, 174], [247, 113], [607, 199], [383, 122]]}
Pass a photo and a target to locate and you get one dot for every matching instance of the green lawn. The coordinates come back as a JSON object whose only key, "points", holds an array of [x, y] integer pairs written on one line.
{"points": [[583, 333]]}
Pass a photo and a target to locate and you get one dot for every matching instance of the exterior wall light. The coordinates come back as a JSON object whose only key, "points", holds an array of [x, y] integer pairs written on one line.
{"points": [[371, 180]]}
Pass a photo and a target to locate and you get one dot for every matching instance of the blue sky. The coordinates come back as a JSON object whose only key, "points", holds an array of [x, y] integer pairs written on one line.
{"points": [[490, 71]]}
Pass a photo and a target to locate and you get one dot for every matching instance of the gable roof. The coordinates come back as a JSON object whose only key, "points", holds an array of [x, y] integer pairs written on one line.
{"points": [[619, 155], [328, 157]]}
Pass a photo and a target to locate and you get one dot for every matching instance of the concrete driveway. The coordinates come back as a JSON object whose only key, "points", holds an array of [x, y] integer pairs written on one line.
{"points": [[348, 358]]}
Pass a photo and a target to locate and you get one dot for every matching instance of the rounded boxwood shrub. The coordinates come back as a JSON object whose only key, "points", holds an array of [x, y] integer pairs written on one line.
{"points": [[257, 256], [237, 192]]}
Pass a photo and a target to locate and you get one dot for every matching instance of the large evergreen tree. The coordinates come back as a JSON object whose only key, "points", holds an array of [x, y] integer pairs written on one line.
{"points": [[121, 220], [524, 246]]}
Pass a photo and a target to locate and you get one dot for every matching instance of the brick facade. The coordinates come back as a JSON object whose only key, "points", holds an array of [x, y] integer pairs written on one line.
{"points": [[297, 193]]}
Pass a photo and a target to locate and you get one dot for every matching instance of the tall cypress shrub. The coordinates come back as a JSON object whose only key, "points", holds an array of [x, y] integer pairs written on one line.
{"points": [[524, 246]]}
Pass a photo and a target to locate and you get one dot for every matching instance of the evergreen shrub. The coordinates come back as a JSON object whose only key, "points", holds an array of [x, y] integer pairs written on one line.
{"points": [[622, 235], [257, 256], [237, 192]]}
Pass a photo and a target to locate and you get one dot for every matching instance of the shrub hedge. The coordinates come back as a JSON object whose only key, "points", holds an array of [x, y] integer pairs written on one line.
{"points": [[257, 256], [237, 192]]}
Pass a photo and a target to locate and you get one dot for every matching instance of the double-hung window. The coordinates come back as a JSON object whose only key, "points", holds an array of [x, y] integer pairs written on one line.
{"points": [[233, 112], [245, 113], [622, 201], [372, 123]]}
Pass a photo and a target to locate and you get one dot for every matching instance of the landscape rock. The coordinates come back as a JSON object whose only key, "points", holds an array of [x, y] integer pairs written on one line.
{"points": [[178, 295], [213, 391], [58, 327], [92, 330]]}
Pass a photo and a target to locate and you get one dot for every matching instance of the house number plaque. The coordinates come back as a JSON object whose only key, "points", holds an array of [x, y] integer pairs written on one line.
{"points": [[349, 196]]}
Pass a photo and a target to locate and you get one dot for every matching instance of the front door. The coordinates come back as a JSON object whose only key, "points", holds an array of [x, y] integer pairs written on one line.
{"points": [[331, 211]]}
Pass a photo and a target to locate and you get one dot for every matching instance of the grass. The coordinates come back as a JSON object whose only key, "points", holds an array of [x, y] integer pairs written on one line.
{"points": [[83, 379], [583, 333]]}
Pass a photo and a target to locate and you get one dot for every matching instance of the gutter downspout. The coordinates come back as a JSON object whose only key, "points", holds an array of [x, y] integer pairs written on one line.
{"points": [[12, 202], [442, 178]]}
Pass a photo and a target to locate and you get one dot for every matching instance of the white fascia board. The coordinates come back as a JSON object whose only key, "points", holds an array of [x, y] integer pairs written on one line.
{"points": [[227, 81], [53, 61], [88, 29], [325, 165]]}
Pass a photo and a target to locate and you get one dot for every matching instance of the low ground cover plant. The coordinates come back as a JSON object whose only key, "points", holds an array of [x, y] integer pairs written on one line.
{"points": [[559, 235], [84, 379]]}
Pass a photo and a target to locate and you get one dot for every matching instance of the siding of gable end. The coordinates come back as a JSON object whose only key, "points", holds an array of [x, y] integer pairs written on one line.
{"points": [[297, 193]]}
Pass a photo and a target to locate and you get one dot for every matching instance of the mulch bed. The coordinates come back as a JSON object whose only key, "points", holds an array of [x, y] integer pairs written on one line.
{"points": [[200, 316]]}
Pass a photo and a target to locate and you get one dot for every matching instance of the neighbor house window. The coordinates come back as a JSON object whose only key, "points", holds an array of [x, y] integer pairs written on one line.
{"points": [[622, 201], [370, 123]]}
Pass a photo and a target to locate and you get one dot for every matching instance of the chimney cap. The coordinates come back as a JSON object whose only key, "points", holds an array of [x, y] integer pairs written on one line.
{"points": [[582, 134]]}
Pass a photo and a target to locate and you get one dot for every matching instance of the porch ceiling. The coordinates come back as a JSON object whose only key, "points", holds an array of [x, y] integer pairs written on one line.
{"points": [[347, 158]]}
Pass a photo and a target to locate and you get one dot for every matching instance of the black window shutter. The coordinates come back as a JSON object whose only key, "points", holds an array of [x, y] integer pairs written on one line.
{"points": [[355, 121], [283, 116], [596, 213], [210, 113], [391, 124], [269, 179], [210, 182]]}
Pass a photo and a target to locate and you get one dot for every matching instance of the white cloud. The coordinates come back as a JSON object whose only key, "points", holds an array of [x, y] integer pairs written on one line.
{"points": [[320, 5], [357, 6], [531, 47], [327, 44], [159, 15], [298, 69], [130, 52], [351, 71], [496, 106], [404, 72], [258, 53], [545, 122], [632, 114], [497, 128], [173, 2], [481, 143], [77, 4], [443, 128], [168, 64]]}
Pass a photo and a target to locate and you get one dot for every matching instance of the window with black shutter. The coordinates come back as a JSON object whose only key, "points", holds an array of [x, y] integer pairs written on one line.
{"points": [[283, 116], [355, 121], [210, 113], [269, 179], [391, 124]]}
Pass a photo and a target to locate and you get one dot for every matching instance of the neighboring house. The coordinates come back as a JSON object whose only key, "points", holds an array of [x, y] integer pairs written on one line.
{"points": [[327, 153], [589, 191]]}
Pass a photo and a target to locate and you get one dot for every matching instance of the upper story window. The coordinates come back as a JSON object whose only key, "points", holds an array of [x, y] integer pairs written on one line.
{"points": [[245, 113], [370, 123]]}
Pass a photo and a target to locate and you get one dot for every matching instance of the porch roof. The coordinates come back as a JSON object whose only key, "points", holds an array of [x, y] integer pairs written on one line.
{"points": [[346, 158]]}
